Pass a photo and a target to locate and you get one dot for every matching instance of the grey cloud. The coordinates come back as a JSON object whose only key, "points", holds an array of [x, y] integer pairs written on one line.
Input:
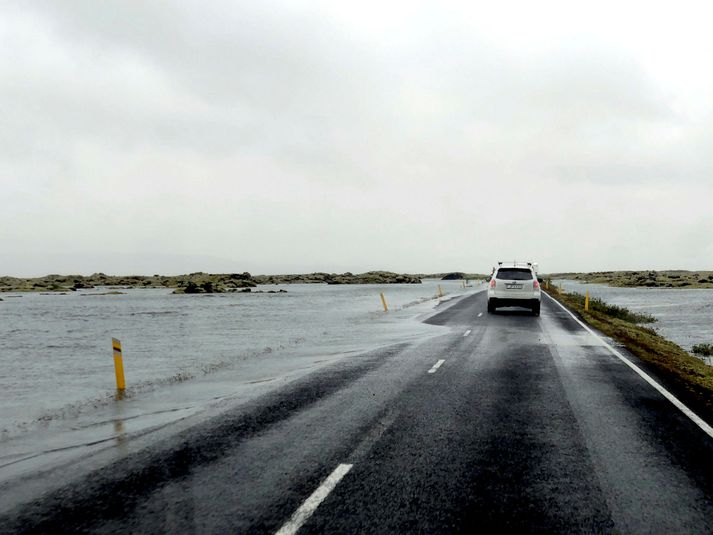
{"points": [[273, 123]]}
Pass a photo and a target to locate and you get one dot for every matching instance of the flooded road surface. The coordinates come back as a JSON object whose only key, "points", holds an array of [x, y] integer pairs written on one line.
{"points": [[55, 350], [511, 420], [184, 356]]}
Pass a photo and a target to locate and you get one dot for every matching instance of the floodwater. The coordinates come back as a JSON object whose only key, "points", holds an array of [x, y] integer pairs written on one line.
{"points": [[684, 316], [56, 354], [188, 357]]}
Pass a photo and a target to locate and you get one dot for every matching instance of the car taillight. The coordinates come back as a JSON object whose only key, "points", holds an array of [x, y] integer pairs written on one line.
{"points": [[535, 284], [492, 283]]}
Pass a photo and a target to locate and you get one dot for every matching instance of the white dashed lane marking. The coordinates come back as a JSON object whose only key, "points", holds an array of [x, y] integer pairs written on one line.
{"points": [[436, 366], [310, 504], [466, 333], [480, 314]]}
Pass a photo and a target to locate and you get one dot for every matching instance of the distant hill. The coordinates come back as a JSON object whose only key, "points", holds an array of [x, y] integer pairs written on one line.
{"points": [[198, 282], [676, 278], [452, 275]]}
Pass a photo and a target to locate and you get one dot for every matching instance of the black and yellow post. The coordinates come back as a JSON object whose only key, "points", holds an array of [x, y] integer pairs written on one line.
{"points": [[118, 366]]}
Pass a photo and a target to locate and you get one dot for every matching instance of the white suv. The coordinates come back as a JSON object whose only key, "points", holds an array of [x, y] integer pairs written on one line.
{"points": [[514, 285]]}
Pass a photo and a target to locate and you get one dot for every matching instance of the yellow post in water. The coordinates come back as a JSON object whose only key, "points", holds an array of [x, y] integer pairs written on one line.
{"points": [[383, 302], [118, 365], [586, 300], [440, 291], [547, 284]]}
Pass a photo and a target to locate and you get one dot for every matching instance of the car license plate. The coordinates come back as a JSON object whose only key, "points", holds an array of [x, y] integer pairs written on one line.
{"points": [[513, 286]]}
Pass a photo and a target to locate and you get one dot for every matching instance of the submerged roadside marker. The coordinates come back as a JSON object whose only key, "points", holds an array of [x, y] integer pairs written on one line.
{"points": [[118, 365], [440, 291], [586, 301], [383, 302]]}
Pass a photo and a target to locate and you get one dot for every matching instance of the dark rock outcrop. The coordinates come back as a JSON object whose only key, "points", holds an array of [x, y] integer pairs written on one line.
{"points": [[195, 283], [370, 277], [373, 277]]}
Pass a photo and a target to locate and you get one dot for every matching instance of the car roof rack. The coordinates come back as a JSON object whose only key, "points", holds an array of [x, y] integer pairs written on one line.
{"points": [[515, 263]]}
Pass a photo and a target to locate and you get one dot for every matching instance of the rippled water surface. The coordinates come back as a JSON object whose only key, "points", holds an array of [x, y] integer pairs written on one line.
{"points": [[684, 316], [56, 357]]}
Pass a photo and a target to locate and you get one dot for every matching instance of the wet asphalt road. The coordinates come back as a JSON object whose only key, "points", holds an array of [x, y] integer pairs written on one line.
{"points": [[528, 423]]}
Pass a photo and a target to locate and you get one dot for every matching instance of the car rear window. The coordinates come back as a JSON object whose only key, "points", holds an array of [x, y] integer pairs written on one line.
{"points": [[514, 274]]}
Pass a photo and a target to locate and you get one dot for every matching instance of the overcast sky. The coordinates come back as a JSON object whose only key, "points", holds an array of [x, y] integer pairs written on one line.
{"points": [[275, 137]]}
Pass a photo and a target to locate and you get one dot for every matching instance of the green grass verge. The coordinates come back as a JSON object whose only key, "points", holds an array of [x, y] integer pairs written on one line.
{"points": [[705, 350], [689, 376], [613, 311]]}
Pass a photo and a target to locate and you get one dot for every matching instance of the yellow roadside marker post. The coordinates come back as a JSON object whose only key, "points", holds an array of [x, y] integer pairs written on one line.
{"points": [[586, 301], [118, 366], [440, 291], [383, 302]]}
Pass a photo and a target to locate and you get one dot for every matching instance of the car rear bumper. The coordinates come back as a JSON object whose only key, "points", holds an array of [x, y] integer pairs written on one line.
{"points": [[500, 302]]}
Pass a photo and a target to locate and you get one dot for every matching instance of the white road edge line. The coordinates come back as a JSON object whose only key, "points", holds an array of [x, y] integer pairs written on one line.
{"points": [[466, 333], [646, 377], [436, 366], [480, 314], [310, 504]]}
